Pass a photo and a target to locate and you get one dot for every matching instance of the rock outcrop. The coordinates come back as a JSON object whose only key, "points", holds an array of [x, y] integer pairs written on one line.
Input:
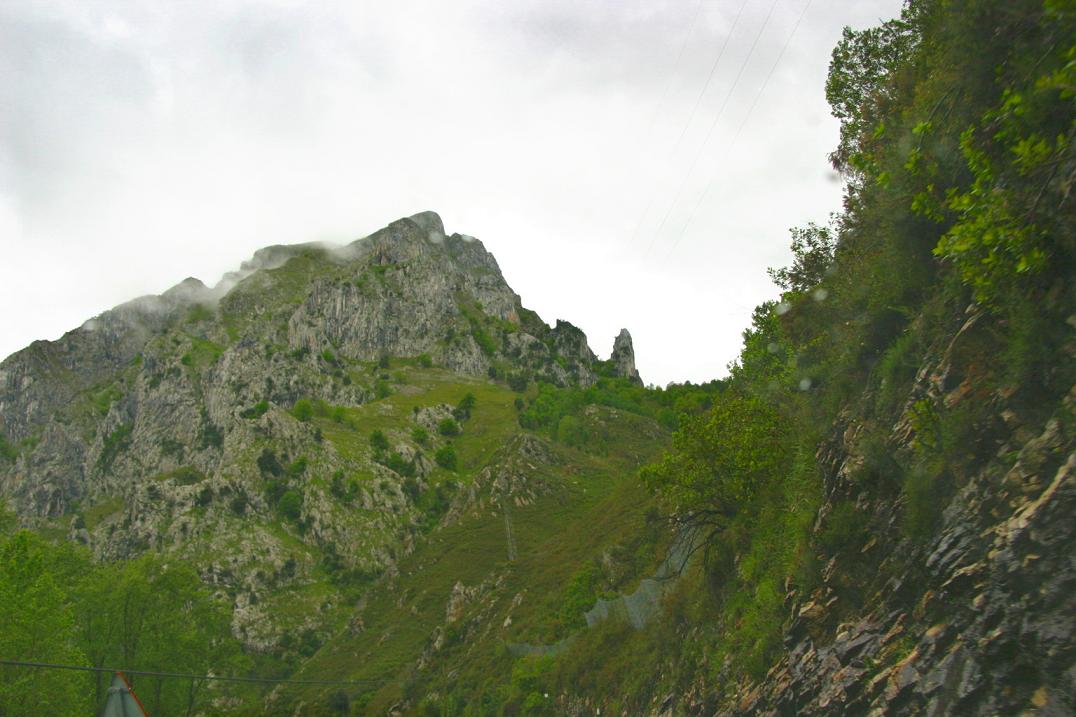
{"points": [[171, 422], [623, 357]]}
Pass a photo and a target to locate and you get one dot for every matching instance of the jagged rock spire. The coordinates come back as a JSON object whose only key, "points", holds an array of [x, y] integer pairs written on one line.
{"points": [[623, 357]]}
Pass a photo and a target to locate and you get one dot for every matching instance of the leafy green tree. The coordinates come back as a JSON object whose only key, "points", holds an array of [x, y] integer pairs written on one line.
{"points": [[858, 84], [812, 251], [448, 427], [36, 624], [153, 614], [722, 463]]}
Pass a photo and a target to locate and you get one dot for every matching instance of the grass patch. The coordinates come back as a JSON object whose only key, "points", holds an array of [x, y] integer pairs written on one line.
{"points": [[96, 514]]}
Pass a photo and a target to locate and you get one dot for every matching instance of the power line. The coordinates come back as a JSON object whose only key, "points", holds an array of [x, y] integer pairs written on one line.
{"points": [[218, 678], [709, 78], [743, 123], [676, 63], [713, 125], [691, 117]]}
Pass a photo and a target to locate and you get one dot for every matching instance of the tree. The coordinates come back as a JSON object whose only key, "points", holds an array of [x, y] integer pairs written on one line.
{"points": [[37, 625], [858, 86], [722, 462], [148, 614], [812, 256]]}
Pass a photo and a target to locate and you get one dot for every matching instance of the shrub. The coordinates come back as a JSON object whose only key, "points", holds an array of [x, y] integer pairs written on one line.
{"points": [[420, 435], [517, 382], [268, 463], [570, 431], [446, 457], [8, 452], [256, 411], [425, 361], [397, 464], [464, 407], [843, 528], [291, 504], [303, 410], [328, 357], [114, 443], [923, 504], [297, 467], [448, 427], [378, 441]]}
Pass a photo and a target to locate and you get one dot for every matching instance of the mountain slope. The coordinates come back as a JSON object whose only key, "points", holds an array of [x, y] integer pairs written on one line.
{"points": [[296, 431]]}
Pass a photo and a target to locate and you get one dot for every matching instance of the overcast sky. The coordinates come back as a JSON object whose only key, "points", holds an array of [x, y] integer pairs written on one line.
{"points": [[616, 179]]}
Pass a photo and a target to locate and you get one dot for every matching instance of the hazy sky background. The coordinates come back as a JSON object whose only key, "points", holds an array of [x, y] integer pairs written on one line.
{"points": [[144, 142]]}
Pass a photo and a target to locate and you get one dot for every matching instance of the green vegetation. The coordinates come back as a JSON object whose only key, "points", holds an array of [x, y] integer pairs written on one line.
{"points": [[115, 443], [8, 452], [256, 411], [103, 399], [186, 475], [378, 441], [303, 410], [202, 354], [953, 252], [58, 605], [291, 505], [198, 313], [446, 457]]}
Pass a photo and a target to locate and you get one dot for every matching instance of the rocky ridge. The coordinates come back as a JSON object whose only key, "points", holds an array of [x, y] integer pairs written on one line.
{"points": [[173, 422]]}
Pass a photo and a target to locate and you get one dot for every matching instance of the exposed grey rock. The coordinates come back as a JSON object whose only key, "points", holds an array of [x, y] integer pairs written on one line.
{"points": [[623, 357]]}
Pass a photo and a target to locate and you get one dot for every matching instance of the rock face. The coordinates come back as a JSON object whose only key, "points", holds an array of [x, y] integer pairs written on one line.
{"points": [[623, 357], [977, 619], [161, 423], [158, 382]]}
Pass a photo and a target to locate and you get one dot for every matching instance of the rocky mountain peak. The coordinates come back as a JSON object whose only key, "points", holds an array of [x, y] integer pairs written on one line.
{"points": [[430, 222], [623, 357]]}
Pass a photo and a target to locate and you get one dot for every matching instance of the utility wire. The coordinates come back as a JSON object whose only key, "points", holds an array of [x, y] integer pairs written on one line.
{"points": [[691, 117], [713, 125], [709, 79], [676, 64], [743, 123], [218, 678]]}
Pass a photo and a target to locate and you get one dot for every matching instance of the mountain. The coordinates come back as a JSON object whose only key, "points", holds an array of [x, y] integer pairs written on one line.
{"points": [[294, 432], [160, 382], [371, 481]]}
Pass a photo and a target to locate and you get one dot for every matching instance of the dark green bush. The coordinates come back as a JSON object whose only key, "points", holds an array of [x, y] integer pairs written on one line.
{"points": [[256, 411], [446, 457], [378, 441], [291, 505]]}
